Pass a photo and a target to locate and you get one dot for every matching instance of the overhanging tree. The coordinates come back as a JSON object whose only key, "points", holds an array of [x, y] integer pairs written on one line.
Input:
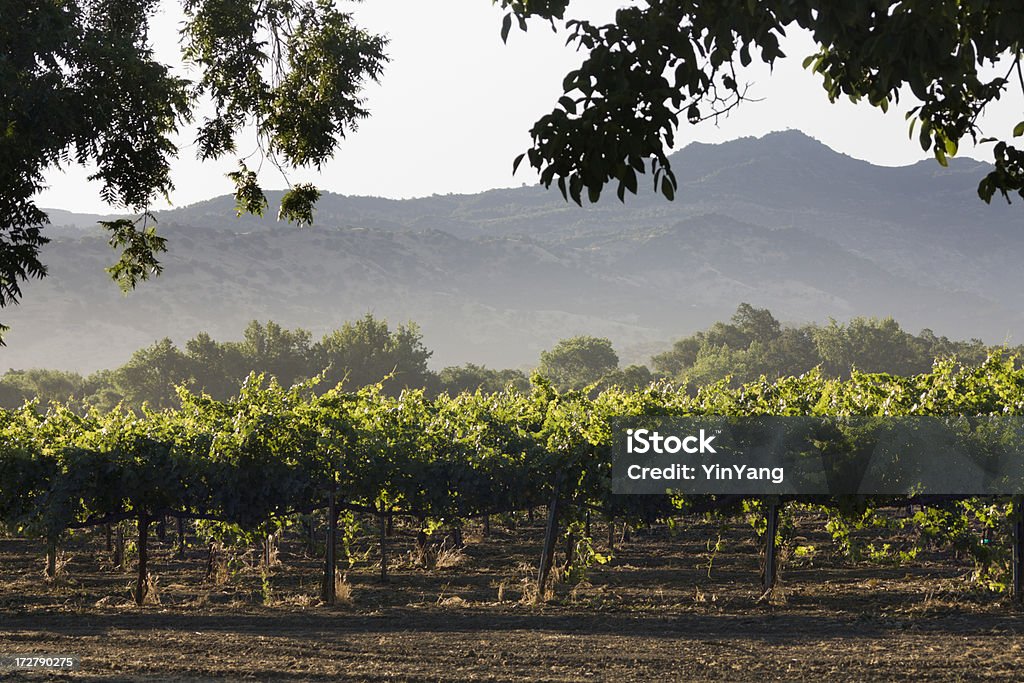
{"points": [[79, 84], [675, 61]]}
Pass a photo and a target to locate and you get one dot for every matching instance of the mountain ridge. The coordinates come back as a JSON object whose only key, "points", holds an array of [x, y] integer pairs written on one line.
{"points": [[780, 221]]}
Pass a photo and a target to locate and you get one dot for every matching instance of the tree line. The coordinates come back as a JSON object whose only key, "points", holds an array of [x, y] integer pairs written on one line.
{"points": [[367, 351], [754, 343]]}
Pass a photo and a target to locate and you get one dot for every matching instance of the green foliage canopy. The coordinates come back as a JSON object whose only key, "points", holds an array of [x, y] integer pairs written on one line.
{"points": [[366, 351], [360, 353], [755, 344], [674, 61], [472, 377], [81, 85], [578, 361]]}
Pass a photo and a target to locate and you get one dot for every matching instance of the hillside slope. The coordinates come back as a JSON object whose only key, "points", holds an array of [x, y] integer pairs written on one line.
{"points": [[781, 221]]}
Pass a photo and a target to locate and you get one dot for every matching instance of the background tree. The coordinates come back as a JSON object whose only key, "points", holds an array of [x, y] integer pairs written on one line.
{"points": [[218, 368], [630, 378], [748, 325], [756, 324], [366, 351], [101, 391], [870, 345], [578, 361], [18, 386], [151, 374], [285, 354], [754, 343], [471, 377]]}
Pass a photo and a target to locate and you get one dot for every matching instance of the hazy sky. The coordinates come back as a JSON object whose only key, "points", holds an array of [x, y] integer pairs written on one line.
{"points": [[454, 106]]}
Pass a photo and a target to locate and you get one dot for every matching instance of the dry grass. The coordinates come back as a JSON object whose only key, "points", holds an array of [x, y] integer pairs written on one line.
{"points": [[775, 596], [271, 552], [449, 557], [342, 589], [152, 590], [218, 568], [298, 600], [451, 601], [531, 596], [60, 564]]}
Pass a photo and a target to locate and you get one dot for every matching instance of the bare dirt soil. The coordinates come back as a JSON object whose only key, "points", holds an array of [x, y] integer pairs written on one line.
{"points": [[668, 607]]}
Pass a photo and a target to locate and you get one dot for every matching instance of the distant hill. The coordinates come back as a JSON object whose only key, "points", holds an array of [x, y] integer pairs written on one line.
{"points": [[781, 222]]}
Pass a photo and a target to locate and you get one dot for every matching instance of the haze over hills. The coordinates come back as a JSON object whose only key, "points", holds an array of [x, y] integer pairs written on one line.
{"points": [[781, 222]]}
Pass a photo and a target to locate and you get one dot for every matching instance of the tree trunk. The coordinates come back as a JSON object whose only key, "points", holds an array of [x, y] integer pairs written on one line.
{"points": [[611, 534], [142, 582], [110, 538], [487, 526]]}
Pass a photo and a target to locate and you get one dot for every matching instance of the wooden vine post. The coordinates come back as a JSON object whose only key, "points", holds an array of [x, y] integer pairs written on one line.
{"points": [[457, 534], [421, 540], [330, 558], [51, 556], [142, 582], [118, 558], [1018, 549], [383, 543], [770, 550], [570, 550], [547, 557], [310, 528], [181, 537], [268, 550]]}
